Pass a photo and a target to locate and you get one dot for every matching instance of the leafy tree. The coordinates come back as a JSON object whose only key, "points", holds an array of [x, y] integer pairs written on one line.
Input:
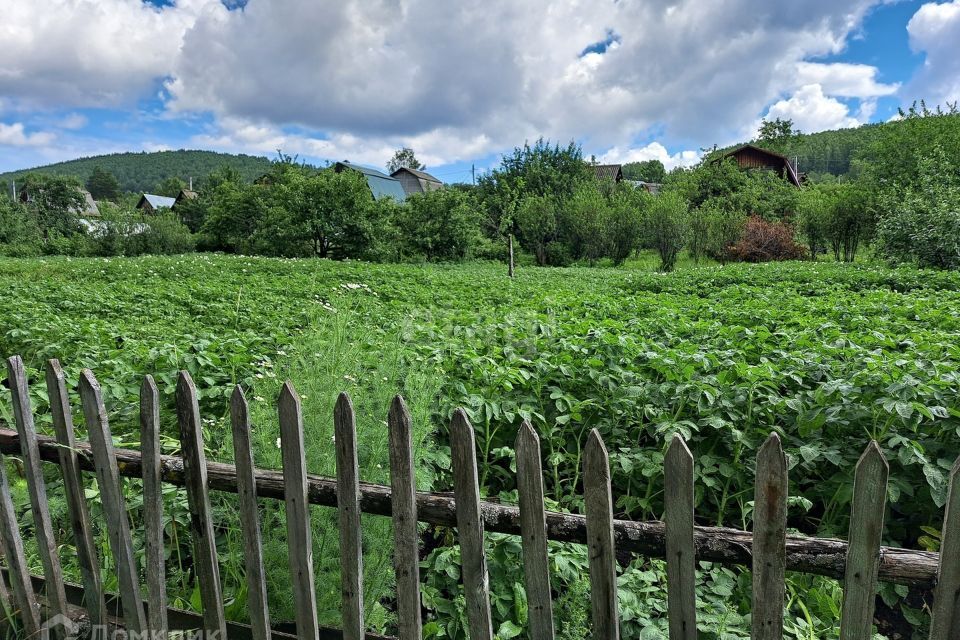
{"points": [[920, 221], [666, 226], [439, 225], [404, 158], [56, 202], [170, 187], [777, 135], [103, 185], [624, 223], [647, 171], [536, 222], [724, 230], [19, 232]]}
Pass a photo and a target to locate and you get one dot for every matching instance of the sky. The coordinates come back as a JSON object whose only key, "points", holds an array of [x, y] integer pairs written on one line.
{"points": [[461, 83]]}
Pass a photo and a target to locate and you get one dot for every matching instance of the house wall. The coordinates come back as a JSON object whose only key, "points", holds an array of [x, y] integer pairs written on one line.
{"points": [[409, 182]]}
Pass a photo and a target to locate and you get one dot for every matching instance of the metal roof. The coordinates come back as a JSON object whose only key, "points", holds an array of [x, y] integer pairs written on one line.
{"points": [[157, 202], [420, 174], [381, 185], [608, 172]]}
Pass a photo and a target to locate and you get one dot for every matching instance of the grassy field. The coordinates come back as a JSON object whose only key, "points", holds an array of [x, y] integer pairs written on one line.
{"points": [[828, 355]]}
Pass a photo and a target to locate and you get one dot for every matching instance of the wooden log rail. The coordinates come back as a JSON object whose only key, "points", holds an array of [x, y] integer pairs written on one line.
{"points": [[820, 556]]}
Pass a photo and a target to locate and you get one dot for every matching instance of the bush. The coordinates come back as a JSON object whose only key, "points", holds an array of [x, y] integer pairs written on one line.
{"points": [[764, 241], [439, 225], [536, 221], [19, 232], [724, 230], [665, 227]]}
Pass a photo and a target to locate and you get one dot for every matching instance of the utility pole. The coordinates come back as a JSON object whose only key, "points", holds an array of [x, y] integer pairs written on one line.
{"points": [[14, 190], [473, 174]]}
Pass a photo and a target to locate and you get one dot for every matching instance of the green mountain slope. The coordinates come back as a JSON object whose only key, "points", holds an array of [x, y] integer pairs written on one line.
{"points": [[142, 171]]}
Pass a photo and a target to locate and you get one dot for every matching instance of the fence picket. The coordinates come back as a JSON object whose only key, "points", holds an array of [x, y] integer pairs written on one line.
{"points": [[533, 533], [249, 517], [111, 497], [24, 599], [863, 552], [769, 541], [348, 508], [37, 488], [77, 509], [681, 553], [466, 491], [299, 538], [153, 508], [403, 490], [198, 500], [945, 622], [603, 564]]}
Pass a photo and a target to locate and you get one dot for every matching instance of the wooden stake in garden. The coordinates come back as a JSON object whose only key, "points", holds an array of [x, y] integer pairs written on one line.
{"points": [[510, 272]]}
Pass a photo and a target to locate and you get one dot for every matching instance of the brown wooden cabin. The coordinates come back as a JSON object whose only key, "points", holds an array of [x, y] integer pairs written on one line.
{"points": [[750, 156], [608, 172]]}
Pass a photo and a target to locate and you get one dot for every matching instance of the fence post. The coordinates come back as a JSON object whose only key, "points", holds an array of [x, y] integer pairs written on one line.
{"points": [[863, 552], [681, 553], [201, 522], [111, 497], [75, 497], [24, 598], [769, 541], [153, 508], [37, 488], [249, 517], [533, 533], [403, 491], [348, 508], [945, 622], [603, 564], [299, 537], [466, 490]]}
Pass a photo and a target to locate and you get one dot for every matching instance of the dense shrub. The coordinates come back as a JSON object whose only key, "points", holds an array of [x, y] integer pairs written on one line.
{"points": [[438, 225], [19, 231], [665, 227], [765, 241]]}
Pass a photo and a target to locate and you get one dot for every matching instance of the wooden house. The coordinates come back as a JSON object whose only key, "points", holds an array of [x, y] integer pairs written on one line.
{"points": [[416, 181], [750, 157], [185, 194], [612, 172], [150, 203]]}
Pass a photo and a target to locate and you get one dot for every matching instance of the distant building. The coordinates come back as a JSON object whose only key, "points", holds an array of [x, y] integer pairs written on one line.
{"points": [[150, 203], [608, 172], [185, 194], [381, 185], [416, 181], [89, 209], [653, 188], [750, 156]]}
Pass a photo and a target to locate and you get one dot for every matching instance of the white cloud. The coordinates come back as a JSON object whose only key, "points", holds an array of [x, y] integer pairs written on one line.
{"points": [[14, 135], [652, 151], [935, 30], [454, 80], [844, 79], [73, 121], [811, 110]]}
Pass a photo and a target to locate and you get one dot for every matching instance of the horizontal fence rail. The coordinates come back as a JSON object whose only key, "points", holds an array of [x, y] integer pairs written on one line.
{"points": [[818, 556], [769, 552]]}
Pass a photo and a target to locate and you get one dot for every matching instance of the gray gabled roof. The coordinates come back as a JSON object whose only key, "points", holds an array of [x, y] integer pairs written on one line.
{"points": [[423, 175], [157, 202], [381, 185]]}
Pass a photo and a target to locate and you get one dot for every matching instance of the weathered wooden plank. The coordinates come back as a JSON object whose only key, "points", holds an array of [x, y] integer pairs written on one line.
{"points": [[403, 486], [299, 537], [945, 621], [603, 563], [77, 509], [681, 554], [348, 511], [769, 541], [111, 497], [249, 517], [533, 533], [201, 522], [466, 490], [37, 490], [866, 530], [24, 599], [818, 556], [155, 568]]}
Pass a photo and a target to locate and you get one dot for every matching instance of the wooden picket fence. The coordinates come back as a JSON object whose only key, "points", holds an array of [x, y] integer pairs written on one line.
{"points": [[768, 550]]}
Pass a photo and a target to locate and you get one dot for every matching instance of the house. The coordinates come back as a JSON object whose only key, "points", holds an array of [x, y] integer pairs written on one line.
{"points": [[608, 172], [750, 156], [381, 185], [89, 209], [185, 194], [416, 181], [150, 203], [653, 188]]}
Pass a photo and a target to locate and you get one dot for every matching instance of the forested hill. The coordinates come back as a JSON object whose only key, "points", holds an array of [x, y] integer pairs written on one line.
{"points": [[143, 171], [833, 151]]}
